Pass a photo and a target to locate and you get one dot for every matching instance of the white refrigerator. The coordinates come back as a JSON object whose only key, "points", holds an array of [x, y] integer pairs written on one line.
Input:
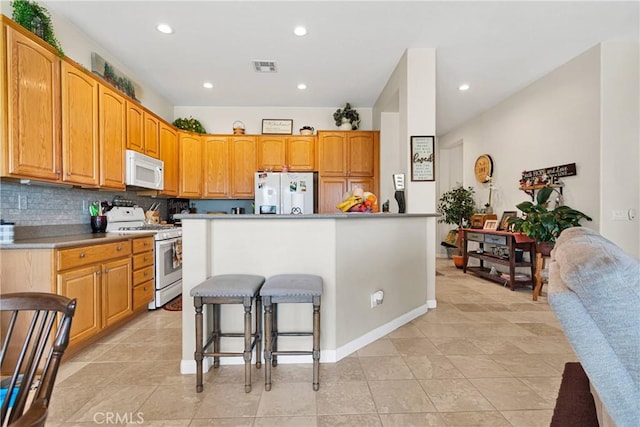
{"points": [[285, 193]]}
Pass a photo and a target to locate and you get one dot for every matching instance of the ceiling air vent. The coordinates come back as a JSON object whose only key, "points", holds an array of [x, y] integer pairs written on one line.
{"points": [[264, 66]]}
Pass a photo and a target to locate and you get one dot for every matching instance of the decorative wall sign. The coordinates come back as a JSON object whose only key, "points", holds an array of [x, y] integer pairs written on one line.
{"points": [[113, 76], [423, 158], [550, 175], [483, 168], [277, 126]]}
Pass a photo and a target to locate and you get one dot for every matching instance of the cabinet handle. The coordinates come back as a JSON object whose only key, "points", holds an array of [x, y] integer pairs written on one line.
{"points": [[145, 258], [119, 248], [146, 273], [98, 273], [82, 254], [106, 270], [145, 288]]}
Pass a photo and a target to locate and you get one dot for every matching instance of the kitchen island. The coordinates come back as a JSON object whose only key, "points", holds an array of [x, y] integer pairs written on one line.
{"points": [[355, 254]]}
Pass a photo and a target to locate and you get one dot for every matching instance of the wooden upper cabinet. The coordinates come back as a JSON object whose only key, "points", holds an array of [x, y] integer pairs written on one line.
{"points": [[243, 166], [351, 153], [135, 127], [271, 152], [112, 138], [169, 155], [190, 165], [80, 163], [332, 153], [31, 141], [301, 153], [215, 154], [151, 135]]}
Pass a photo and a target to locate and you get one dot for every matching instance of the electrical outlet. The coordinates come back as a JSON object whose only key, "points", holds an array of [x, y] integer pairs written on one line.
{"points": [[22, 202], [85, 206], [618, 215], [376, 298]]}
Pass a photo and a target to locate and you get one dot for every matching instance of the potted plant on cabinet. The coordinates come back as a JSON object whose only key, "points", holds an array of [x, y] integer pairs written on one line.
{"points": [[347, 118], [544, 225], [456, 206]]}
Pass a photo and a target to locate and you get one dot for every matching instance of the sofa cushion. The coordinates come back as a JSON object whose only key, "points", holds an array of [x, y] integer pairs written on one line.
{"points": [[594, 290]]}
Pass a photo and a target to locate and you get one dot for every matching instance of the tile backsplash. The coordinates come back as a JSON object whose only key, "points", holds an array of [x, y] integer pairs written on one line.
{"points": [[36, 205]]}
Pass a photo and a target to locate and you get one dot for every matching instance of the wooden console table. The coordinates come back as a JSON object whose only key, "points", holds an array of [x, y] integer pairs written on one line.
{"points": [[511, 241]]}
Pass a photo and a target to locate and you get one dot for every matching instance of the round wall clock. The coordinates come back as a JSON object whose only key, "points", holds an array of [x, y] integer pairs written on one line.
{"points": [[483, 168]]}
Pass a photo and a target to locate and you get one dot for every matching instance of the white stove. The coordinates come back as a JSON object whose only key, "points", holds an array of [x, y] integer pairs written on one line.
{"points": [[168, 250]]}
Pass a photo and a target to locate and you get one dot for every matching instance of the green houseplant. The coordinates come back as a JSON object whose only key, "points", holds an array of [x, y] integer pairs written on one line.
{"points": [[347, 115], [190, 124], [35, 18], [544, 225], [456, 206]]}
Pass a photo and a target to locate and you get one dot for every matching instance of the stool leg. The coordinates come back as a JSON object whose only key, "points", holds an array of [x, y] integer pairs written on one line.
{"points": [[274, 333], [216, 333], [268, 317], [248, 303], [198, 353], [258, 338], [316, 343]]}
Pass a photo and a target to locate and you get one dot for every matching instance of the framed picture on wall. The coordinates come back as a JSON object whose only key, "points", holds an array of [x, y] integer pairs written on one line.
{"points": [[423, 158]]}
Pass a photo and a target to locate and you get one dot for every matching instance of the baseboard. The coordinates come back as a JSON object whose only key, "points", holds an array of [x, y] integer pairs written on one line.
{"points": [[326, 356], [379, 332]]}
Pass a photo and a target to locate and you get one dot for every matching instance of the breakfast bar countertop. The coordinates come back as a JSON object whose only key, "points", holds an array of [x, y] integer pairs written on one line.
{"points": [[345, 215]]}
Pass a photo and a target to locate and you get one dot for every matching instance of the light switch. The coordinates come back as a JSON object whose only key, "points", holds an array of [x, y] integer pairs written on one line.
{"points": [[618, 215]]}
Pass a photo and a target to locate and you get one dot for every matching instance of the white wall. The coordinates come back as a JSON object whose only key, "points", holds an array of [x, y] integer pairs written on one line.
{"points": [[555, 120], [221, 119], [620, 150]]}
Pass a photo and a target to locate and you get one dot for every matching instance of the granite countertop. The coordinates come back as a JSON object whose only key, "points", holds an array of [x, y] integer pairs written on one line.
{"points": [[56, 242], [350, 215]]}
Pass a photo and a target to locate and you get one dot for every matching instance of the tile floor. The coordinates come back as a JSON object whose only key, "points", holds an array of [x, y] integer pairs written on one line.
{"points": [[486, 356]]}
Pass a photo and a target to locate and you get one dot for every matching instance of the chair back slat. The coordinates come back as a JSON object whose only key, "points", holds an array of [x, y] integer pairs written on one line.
{"points": [[40, 325]]}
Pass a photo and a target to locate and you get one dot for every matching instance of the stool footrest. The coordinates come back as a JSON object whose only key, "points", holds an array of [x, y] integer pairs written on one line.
{"points": [[213, 354], [292, 352], [293, 334]]}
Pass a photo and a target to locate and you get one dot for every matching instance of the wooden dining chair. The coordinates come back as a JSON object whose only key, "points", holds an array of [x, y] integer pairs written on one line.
{"points": [[35, 330]]}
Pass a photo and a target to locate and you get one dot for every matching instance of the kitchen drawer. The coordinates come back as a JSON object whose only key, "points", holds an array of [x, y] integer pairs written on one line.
{"points": [[143, 294], [494, 239], [74, 257], [142, 244], [142, 275], [142, 260], [475, 237]]}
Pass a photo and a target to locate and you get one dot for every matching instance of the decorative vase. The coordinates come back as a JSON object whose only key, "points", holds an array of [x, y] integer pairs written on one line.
{"points": [[346, 125], [458, 261]]}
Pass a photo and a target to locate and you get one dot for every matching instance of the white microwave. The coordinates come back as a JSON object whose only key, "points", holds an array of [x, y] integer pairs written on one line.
{"points": [[144, 171]]}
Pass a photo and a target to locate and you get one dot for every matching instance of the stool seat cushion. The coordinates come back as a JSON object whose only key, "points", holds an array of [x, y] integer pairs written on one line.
{"points": [[229, 285], [284, 285]]}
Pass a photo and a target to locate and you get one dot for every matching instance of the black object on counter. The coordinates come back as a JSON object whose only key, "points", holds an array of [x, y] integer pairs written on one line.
{"points": [[400, 200], [99, 223]]}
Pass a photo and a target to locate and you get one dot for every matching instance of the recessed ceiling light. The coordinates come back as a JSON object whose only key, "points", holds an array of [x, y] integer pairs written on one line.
{"points": [[164, 28], [207, 85], [300, 31], [302, 86], [463, 87]]}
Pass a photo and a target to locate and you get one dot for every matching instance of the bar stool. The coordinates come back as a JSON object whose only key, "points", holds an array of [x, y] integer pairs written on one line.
{"points": [[228, 289], [290, 288]]}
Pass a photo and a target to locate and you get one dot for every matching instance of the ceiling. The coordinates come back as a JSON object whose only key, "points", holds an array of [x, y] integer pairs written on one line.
{"points": [[351, 48]]}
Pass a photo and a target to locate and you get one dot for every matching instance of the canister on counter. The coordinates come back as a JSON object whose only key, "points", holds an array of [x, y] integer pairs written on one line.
{"points": [[6, 232]]}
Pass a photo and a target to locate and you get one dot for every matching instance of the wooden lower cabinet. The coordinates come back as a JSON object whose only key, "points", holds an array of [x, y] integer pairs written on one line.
{"points": [[333, 189], [116, 290], [83, 284], [143, 271]]}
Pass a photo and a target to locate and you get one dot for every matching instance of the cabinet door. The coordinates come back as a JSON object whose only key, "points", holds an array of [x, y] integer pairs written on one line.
{"points": [[332, 191], [80, 153], [112, 137], [84, 285], [361, 154], [243, 166], [135, 127], [190, 165], [271, 152], [169, 155], [215, 154], [32, 147], [116, 291], [301, 153], [151, 136], [332, 154]]}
